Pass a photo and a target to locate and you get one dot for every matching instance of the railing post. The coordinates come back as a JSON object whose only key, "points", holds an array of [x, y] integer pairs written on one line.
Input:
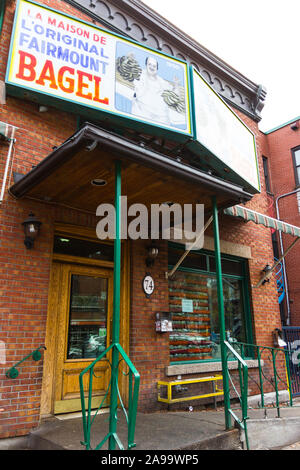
{"points": [[276, 382], [88, 439], [116, 310], [245, 404], [260, 377], [221, 314], [288, 374]]}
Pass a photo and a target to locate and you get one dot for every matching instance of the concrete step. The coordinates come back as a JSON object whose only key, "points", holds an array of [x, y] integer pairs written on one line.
{"points": [[228, 440], [267, 430], [203, 430], [273, 433], [156, 431]]}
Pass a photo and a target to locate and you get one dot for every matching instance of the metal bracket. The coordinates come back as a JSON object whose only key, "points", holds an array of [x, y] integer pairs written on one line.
{"points": [[36, 355], [267, 275]]}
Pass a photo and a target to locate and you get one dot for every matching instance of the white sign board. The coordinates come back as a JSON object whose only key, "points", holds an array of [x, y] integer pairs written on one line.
{"points": [[187, 305], [59, 57], [224, 135]]}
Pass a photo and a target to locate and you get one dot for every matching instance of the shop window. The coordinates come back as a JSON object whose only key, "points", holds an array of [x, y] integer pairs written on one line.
{"points": [[193, 303], [83, 248], [296, 160]]}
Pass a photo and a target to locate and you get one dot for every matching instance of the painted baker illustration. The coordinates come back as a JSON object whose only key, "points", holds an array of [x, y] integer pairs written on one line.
{"points": [[152, 96]]}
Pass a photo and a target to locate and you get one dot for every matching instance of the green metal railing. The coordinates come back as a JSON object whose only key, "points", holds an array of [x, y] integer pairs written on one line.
{"points": [[273, 375], [243, 382], [36, 355], [273, 371], [130, 413]]}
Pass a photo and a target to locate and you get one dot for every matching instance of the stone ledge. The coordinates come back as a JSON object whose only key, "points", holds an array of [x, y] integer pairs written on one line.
{"points": [[184, 369], [269, 398]]}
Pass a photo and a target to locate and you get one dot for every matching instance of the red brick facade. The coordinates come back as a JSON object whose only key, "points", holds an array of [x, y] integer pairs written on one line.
{"points": [[279, 145], [24, 275]]}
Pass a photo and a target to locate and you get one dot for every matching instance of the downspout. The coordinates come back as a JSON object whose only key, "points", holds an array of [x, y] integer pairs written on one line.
{"points": [[281, 253], [12, 140]]}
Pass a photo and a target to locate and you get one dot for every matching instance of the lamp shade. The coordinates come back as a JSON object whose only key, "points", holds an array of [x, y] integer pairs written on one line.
{"points": [[31, 229]]}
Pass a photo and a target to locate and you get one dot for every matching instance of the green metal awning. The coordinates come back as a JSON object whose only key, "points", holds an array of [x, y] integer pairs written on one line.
{"points": [[257, 218]]}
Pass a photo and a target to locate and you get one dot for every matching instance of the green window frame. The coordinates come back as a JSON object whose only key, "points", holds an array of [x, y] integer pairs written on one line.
{"points": [[296, 163], [207, 268]]}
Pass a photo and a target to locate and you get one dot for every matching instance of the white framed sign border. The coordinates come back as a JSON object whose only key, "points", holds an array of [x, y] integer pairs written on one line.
{"points": [[232, 174], [43, 97]]}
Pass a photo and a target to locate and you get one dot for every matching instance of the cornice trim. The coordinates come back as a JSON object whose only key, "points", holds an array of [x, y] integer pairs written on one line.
{"points": [[134, 19]]}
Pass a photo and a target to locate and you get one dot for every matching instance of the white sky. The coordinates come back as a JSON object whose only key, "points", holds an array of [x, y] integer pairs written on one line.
{"points": [[259, 38]]}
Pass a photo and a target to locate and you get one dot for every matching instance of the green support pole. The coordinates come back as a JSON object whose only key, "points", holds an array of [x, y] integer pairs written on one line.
{"points": [[2, 12], [116, 311], [221, 314]]}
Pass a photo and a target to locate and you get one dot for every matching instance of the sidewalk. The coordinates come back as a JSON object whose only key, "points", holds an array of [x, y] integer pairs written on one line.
{"points": [[295, 446], [155, 431], [196, 430]]}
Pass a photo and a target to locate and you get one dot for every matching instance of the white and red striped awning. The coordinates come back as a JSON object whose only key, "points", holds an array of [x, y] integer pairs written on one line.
{"points": [[257, 218]]}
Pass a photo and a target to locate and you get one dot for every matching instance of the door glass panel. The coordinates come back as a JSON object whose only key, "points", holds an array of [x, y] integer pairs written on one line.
{"points": [[87, 336]]}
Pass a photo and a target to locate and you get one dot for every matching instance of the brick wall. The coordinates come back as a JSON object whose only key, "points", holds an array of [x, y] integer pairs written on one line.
{"points": [[149, 350], [24, 275], [280, 143]]}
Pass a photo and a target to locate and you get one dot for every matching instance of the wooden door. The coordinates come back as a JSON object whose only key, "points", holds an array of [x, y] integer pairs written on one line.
{"points": [[85, 300]]}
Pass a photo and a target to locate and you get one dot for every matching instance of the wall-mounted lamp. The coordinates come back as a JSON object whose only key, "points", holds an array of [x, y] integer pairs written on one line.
{"points": [[152, 255], [31, 229], [265, 271]]}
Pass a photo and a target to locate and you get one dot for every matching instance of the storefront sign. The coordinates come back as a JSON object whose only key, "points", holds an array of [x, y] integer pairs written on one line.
{"points": [[57, 60], [229, 146], [56, 57]]}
